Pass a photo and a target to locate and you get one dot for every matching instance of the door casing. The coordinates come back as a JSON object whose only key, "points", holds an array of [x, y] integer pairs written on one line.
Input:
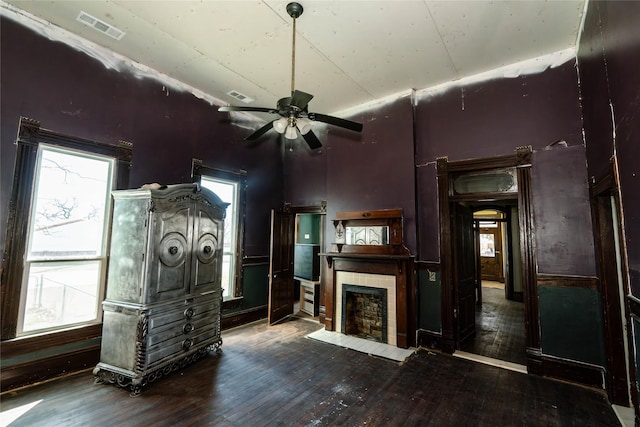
{"points": [[446, 170], [617, 330], [281, 282]]}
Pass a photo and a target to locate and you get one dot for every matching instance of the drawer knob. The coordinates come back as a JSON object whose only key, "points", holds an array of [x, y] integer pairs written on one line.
{"points": [[186, 344], [187, 328], [188, 313], [173, 250]]}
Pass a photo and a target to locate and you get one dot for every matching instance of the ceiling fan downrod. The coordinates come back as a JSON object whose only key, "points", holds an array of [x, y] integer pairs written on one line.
{"points": [[294, 10]]}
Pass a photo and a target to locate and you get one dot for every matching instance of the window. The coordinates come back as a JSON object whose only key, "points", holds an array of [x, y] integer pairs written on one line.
{"points": [[54, 265], [65, 260], [228, 192], [487, 245], [494, 181], [230, 187]]}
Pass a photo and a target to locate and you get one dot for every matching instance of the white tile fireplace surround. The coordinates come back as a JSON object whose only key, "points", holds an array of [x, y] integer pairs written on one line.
{"points": [[379, 281]]}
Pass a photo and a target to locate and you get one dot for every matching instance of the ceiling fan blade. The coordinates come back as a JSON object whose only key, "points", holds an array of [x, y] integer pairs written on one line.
{"points": [[300, 99], [255, 109], [336, 121], [312, 140], [257, 134]]}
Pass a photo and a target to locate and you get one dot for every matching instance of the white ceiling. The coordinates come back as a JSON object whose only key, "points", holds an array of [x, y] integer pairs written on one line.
{"points": [[348, 53]]}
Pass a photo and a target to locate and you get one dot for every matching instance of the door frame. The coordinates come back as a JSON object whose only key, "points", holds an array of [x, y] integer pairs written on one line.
{"points": [[521, 160], [605, 197], [292, 211]]}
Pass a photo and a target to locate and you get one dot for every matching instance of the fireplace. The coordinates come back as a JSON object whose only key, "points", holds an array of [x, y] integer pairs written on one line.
{"points": [[370, 289], [383, 285], [364, 312]]}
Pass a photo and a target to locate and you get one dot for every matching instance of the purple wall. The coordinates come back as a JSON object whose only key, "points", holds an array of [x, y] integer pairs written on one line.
{"points": [[360, 171], [492, 118], [609, 60], [376, 169], [305, 172], [562, 212], [71, 93]]}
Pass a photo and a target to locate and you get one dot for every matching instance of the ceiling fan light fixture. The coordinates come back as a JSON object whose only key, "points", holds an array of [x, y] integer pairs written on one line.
{"points": [[291, 133], [304, 125], [280, 125]]}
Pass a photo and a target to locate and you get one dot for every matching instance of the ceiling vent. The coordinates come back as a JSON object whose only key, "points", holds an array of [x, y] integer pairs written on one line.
{"points": [[101, 26], [240, 97]]}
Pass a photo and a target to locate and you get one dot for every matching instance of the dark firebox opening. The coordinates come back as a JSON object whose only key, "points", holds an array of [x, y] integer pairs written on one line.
{"points": [[365, 312]]}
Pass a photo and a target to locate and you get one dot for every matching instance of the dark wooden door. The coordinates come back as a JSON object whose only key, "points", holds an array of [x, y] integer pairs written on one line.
{"points": [[491, 254], [281, 267], [464, 271]]}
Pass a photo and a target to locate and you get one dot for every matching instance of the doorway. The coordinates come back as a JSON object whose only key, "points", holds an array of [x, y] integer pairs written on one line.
{"points": [[306, 264], [297, 234], [499, 311], [466, 186]]}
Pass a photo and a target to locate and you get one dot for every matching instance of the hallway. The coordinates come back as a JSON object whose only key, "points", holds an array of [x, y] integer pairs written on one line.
{"points": [[500, 332]]}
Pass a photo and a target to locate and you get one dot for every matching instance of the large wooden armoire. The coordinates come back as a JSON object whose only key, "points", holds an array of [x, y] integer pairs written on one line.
{"points": [[163, 297]]}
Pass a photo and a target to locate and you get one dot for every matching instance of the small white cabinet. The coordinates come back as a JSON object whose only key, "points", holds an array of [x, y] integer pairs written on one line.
{"points": [[309, 296], [163, 297]]}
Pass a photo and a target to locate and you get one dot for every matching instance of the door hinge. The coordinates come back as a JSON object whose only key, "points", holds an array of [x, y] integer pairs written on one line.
{"points": [[455, 313]]}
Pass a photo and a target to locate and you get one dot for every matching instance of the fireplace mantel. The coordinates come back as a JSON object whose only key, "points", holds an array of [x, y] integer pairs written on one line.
{"points": [[390, 259]]}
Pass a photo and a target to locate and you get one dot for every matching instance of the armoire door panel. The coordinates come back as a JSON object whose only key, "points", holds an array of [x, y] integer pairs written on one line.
{"points": [[205, 265], [170, 267], [127, 258]]}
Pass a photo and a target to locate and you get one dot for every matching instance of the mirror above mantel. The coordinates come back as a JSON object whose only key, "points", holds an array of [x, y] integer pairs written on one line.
{"points": [[369, 232], [367, 235]]}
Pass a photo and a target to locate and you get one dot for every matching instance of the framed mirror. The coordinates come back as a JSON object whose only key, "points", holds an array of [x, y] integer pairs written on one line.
{"points": [[367, 235]]}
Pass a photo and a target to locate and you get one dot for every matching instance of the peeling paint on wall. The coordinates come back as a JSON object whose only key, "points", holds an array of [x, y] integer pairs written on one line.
{"points": [[121, 63], [522, 68], [373, 106], [108, 58]]}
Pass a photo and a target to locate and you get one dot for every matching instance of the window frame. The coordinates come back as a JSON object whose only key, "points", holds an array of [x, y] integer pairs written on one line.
{"points": [[30, 260], [30, 136], [198, 170]]}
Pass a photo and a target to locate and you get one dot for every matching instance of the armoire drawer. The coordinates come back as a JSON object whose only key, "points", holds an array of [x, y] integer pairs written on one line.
{"points": [[180, 344]]}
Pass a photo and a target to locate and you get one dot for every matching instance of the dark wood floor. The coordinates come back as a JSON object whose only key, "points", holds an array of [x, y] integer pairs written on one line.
{"points": [[274, 376], [500, 332]]}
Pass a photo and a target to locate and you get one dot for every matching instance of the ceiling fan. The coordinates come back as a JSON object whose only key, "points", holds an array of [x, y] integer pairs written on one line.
{"points": [[295, 116]]}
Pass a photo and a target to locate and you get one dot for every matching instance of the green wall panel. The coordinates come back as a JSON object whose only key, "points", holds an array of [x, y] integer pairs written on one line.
{"points": [[429, 301], [309, 229], [571, 324], [255, 287]]}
